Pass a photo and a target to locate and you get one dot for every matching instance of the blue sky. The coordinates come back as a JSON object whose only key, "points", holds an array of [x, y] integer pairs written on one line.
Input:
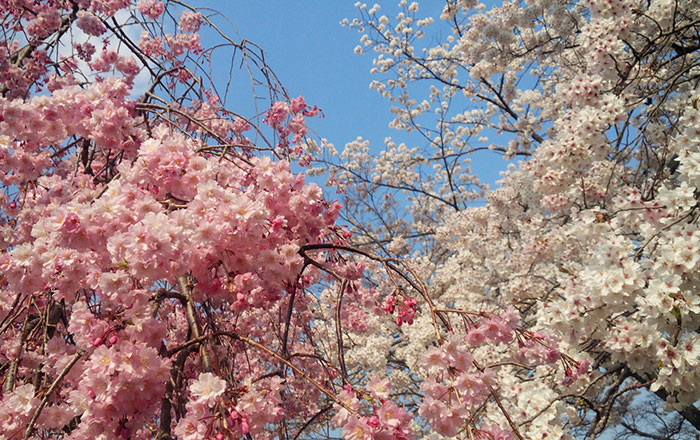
{"points": [[313, 56]]}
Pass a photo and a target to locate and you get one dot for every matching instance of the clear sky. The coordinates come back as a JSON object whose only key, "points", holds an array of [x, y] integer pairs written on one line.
{"points": [[313, 56]]}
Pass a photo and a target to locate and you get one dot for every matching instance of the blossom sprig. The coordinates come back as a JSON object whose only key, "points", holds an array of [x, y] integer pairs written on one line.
{"points": [[406, 306], [287, 119], [386, 420]]}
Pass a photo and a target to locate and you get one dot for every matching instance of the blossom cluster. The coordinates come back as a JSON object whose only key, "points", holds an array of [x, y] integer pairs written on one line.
{"points": [[591, 235], [138, 253]]}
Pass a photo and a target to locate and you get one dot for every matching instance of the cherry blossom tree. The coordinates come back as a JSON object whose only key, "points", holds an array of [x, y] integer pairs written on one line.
{"points": [[166, 274], [153, 239], [589, 240]]}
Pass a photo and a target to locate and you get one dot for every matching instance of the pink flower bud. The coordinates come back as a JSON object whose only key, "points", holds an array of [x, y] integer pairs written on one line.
{"points": [[97, 342], [583, 367], [553, 355], [373, 421]]}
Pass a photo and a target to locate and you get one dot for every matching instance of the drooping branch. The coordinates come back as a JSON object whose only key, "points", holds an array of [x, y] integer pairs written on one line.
{"points": [[37, 412], [299, 372]]}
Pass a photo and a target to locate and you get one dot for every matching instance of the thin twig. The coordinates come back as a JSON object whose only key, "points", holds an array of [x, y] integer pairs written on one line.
{"points": [[54, 385]]}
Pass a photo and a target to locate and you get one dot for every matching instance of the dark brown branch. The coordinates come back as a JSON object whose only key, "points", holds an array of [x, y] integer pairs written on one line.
{"points": [[339, 331], [312, 419], [167, 400], [52, 388]]}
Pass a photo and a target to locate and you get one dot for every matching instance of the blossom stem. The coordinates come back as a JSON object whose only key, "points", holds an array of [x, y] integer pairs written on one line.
{"points": [[54, 385], [186, 290]]}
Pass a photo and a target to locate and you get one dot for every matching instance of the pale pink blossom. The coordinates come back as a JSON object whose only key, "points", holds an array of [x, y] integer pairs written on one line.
{"points": [[207, 388]]}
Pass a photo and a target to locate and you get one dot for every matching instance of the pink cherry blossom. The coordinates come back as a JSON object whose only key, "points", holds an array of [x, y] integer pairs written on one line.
{"points": [[169, 269], [207, 388]]}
